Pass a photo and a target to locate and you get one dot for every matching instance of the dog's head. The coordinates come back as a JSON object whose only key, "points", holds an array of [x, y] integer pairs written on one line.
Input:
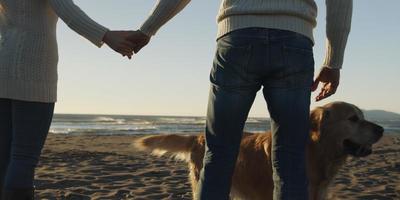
{"points": [[344, 125]]}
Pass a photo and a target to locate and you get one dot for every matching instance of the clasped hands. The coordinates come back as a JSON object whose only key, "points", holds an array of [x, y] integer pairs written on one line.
{"points": [[126, 42]]}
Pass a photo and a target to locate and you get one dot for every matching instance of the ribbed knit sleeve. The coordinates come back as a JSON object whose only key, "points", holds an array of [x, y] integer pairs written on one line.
{"points": [[78, 21], [339, 16], [161, 14]]}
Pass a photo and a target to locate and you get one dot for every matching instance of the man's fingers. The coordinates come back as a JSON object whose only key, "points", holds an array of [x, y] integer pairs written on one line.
{"points": [[125, 52], [136, 45], [138, 48], [127, 55], [327, 91], [321, 94], [126, 49], [324, 96], [315, 84], [128, 43]]}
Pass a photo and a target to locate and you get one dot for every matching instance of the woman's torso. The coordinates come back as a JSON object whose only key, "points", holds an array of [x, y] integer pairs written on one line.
{"points": [[28, 47]]}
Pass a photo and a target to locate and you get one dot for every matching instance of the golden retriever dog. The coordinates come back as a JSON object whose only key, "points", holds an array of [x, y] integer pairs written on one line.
{"points": [[338, 130]]}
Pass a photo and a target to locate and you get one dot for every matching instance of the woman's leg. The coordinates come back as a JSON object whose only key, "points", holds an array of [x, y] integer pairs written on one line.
{"points": [[5, 138], [30, 124]]}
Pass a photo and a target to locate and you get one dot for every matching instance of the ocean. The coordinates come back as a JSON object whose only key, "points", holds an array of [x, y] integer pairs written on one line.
{"points": [[134, 125]]}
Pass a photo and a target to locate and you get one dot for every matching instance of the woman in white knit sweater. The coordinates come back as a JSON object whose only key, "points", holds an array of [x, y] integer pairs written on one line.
{"points": [[28, 81]]}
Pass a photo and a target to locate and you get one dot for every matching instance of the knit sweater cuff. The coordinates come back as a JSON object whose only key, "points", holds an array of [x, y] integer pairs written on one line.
{"points": [[90, 30], [334, 55], [148, 30]]}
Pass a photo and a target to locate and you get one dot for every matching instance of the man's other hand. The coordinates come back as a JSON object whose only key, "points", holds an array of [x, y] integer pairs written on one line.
{"points": [[330, 82]]}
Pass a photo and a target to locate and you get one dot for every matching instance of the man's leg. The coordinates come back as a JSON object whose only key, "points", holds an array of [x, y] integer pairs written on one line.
{"points": [[227, 114], [289, 111], [5, 138], [31, 123], [230, 100], [287, 92]]}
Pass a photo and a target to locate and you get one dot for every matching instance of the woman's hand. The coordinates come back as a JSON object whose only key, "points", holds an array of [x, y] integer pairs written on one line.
{"points": [[119, 42]]}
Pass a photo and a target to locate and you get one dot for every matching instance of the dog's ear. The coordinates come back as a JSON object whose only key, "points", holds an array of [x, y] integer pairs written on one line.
{"points": [[317, 117]]}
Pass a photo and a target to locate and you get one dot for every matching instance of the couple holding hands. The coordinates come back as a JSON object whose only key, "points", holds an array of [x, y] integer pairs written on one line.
{"points": [[264, 44]]}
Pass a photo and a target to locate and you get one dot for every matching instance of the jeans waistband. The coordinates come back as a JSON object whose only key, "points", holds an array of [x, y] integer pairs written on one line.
{"points": [[265, 33]]}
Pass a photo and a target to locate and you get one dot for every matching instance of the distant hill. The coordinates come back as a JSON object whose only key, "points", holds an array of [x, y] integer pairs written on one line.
{"points": [[381, 115]]}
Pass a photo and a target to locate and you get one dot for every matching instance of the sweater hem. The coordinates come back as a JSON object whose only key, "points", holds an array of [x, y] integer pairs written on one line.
{"points": [[289, 23], [34, 91]]}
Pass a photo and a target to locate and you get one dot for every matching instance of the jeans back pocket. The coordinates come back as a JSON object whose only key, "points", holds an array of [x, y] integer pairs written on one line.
{"points": [[232, 56]]}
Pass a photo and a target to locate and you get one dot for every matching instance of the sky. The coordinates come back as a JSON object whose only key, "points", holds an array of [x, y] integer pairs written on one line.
{"points": [[171, 75]]}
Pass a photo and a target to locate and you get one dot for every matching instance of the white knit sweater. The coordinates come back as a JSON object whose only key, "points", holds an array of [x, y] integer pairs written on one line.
{"points": [[293, 15], [28, 46]]}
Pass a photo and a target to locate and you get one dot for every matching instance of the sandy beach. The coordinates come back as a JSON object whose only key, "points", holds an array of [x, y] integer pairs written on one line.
{"points": [[108, 167]]}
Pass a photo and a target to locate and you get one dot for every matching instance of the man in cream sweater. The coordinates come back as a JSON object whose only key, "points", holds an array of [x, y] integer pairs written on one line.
{"points": [[263, 44]]}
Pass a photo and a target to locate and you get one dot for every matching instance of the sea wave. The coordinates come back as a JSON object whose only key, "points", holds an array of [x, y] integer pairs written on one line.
{"points": [[109, 125], [181, 120], [102, 130], [109, 120]]}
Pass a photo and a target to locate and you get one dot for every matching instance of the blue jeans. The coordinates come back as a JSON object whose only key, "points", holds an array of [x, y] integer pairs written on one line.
{"points": [[23, 130], [246, 60]]}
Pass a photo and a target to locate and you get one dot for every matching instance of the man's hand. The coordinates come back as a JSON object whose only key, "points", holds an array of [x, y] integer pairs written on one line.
{"points": [[118, 41], [138, 39], [330, 79]]}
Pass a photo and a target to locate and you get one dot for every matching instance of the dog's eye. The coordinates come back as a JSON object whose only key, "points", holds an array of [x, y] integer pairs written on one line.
{"points": [[354, 118]]}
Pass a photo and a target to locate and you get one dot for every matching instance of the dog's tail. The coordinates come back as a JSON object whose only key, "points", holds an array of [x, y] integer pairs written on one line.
{"points": [[176, 145]]}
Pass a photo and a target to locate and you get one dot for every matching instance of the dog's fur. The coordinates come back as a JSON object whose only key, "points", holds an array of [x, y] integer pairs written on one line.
{"points": [[337, 131]]}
